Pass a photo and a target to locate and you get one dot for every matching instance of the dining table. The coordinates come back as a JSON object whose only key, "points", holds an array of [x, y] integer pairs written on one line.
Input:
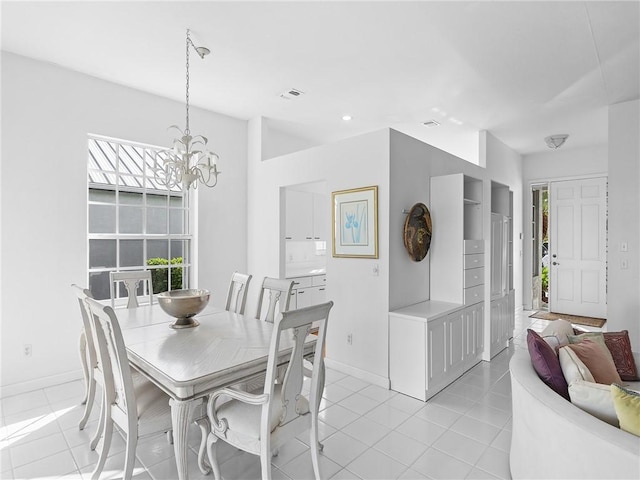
{"points": [[225, 349]]}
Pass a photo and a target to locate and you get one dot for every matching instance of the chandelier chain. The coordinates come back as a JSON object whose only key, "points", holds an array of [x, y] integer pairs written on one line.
{"points": [[187, 131]]}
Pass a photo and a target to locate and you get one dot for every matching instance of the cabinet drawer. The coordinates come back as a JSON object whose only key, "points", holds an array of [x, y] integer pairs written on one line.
{"points": [[474, 261], [319, 280], [473, 246], [473, 277], [473, 294], [302, 282]]}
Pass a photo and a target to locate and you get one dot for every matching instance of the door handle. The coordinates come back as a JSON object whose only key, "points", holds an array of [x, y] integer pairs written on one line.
{"points": [[555, 263]]}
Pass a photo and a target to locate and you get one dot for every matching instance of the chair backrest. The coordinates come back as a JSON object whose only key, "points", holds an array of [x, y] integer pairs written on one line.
{"points": [[131, 281], [83, 294], [294, 324], [237, 295], [279, 293], [112, 354]]}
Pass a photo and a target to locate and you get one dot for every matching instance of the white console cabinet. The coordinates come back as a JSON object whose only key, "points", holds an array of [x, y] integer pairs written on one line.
{"points": [[308, 291], [431, 344]]}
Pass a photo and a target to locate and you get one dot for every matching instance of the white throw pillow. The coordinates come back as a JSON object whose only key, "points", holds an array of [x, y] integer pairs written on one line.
{"points": [[595, 399], [560, 329], [572, 367]]}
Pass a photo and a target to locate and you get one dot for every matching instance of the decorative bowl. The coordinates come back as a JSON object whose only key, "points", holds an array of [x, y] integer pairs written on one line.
{"points": [[184, 305]]}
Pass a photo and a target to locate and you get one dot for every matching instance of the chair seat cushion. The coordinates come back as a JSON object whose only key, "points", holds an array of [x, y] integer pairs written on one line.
{"points": [[244, 418], [154, 412]]}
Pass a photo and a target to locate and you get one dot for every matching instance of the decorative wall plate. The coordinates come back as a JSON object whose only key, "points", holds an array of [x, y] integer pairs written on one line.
{"points": [[417, 232]]}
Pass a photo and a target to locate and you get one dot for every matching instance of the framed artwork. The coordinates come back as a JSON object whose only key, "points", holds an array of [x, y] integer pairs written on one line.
{"points": [[355, 222]]}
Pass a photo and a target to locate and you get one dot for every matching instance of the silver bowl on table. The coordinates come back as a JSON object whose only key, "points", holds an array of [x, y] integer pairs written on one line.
{"points": [[183, 305]]}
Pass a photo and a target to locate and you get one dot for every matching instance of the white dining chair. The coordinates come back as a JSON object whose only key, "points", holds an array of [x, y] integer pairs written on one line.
{"points": [[237, 294], [279, 295], [136, 405], [91, 369], [260, 423], [131, 280]]}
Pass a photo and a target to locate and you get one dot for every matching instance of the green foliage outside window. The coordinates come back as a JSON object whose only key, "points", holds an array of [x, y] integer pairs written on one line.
{"points": [[545, 279], [159, 277]]}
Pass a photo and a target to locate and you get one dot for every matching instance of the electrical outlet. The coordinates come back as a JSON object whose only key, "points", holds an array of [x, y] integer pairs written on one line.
{"points": [[349, 339], [27, 349]]}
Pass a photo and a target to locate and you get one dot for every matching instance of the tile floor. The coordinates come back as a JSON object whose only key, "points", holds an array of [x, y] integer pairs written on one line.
{"points": [[368, 433]]}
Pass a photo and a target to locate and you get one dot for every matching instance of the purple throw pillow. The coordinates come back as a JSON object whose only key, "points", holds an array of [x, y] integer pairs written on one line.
{"points": [[546, 364]]}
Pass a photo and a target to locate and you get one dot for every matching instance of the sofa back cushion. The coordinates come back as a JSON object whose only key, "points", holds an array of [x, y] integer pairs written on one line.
{"points": [[546, 364], [594, 398]]}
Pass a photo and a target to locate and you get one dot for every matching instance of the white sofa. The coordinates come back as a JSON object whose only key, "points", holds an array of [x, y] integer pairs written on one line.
{"points": [[553, 439]]}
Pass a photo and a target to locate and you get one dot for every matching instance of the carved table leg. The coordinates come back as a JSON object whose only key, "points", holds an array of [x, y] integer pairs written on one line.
{"points": [[181, 413]]}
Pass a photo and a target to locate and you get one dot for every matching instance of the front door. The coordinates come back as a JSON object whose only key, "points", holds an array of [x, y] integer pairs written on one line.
{"points": [[578, 247]]}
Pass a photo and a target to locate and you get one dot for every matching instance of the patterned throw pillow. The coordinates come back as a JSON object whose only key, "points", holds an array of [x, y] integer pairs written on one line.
{"points": [[627, 405], [619, 345], [546, 364]]}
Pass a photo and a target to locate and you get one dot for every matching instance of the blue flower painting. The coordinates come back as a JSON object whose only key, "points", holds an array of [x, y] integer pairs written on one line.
{"points": [[353, 223]]}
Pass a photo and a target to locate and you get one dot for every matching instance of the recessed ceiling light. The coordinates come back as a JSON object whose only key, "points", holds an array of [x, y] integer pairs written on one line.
{"points": [[346, 118]]}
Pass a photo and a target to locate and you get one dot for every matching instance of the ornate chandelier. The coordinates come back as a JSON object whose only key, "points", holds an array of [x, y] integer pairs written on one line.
{"points": [[189, 162]]}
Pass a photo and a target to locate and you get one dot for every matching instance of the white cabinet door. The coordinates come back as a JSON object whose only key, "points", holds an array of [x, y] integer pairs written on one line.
{"points": [[304, 297], [321, 217], [293, 303], [318, 295], [299, 215], [456, 340], [407, 361], [478, 320], [496, 254], [436, 351]]}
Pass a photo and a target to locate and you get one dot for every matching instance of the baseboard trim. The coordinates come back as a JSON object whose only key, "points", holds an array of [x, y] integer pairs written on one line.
{"points": [[358, 373], [38, 383]]}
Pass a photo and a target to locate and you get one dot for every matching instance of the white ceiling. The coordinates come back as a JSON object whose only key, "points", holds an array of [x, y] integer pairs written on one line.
{"points": [[522, 70]]}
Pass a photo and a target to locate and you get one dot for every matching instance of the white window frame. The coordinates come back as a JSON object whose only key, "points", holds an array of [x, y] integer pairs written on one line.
{"points": [[111, 182]]}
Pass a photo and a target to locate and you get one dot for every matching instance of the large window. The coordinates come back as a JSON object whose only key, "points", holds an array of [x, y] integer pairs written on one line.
{"points": [[134, 222]]}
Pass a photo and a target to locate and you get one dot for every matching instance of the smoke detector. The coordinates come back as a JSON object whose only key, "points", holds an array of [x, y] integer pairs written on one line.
{"points": [[556, 141], [291, 94]]}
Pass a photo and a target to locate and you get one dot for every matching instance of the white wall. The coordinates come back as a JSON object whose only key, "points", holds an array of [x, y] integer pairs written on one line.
{"points": [[505, 166], [361, 299], [47, 113], [554, 165], [413, 163], [401, 167], [623, 306]]}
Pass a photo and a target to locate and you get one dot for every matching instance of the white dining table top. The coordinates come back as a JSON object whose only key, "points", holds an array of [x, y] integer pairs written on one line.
{"points": [[225, 348]]}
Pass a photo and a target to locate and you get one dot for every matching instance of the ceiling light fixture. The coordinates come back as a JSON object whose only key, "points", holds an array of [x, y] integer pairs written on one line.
{"points": [[556, 141], [346, 118], [189, 162], [431, 123]]}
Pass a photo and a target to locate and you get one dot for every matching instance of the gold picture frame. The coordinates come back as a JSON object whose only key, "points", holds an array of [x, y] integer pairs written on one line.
{"points": [[355, 222]]}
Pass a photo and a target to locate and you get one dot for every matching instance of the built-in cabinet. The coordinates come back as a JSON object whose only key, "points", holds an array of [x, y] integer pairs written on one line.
{"points": [[457, 242], [502, 309], [434, 342], [431, 344], [308, 291]]}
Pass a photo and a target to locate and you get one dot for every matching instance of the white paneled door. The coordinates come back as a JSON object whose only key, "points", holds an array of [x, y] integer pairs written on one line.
{"points": [[578, 247]]}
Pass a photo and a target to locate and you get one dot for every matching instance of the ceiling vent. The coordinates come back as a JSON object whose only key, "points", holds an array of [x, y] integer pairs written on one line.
{"points": [[431, 123], [291, 94]]}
